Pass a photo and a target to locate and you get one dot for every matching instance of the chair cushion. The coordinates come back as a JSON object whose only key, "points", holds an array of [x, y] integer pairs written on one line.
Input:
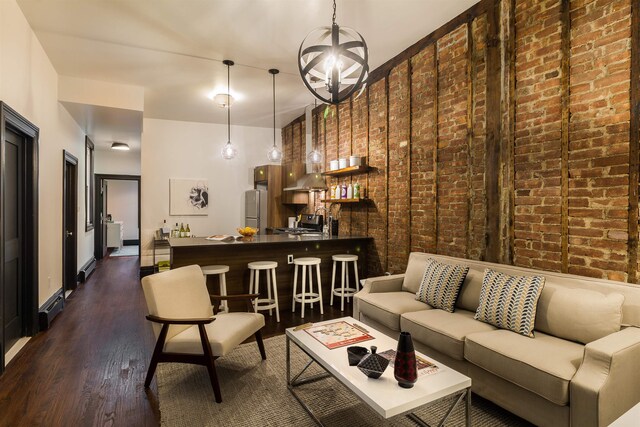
{"points": [[509, 302], [578, 315], [442, 330], [543, 365], [386, 307], [441, 284], [225, 333]]}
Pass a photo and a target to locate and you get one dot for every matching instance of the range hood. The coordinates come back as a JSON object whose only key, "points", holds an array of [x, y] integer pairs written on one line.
{"points": [[309, 182]]}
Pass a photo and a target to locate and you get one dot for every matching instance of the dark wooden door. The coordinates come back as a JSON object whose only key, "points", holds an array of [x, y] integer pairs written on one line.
{"points": [[100, 235], [13, 235], [70, 223]]}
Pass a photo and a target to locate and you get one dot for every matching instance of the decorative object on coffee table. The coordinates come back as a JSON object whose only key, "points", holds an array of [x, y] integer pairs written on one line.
{"points": [[405, 369], [373, 365], [355, 354]]}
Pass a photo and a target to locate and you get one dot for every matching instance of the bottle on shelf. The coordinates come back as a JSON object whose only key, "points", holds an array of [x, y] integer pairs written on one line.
{"points": [[349, 192], [188, 231], [343, 191], [356, 191], [182, 232]]}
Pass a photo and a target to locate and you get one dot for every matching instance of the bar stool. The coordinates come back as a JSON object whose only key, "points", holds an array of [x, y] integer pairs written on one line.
{"points": [[271, 301], [220, 270], [306, 297], [345, 290]]}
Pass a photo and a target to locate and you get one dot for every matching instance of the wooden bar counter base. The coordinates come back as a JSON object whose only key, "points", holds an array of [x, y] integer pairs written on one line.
{"points": [[277, 247]]}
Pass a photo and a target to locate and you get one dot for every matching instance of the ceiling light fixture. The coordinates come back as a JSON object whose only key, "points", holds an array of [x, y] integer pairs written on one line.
{"points": [[315, 156], [274, 154], [333, 72], [120, 146], [223, 100], [228, 151]]}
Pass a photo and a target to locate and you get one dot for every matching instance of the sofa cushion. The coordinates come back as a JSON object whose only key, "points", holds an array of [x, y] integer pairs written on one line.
{"points": [[415, 271], [441, 284], [509, 302], [578, 314], [469, 295], [543, 365], [442, 330], [386, 307]]}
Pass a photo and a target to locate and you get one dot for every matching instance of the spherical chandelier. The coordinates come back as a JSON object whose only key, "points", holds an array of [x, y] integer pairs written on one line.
{"points": [[333, 62]]}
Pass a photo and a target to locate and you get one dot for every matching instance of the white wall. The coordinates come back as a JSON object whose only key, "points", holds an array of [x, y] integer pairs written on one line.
{"points": [[28, 83], [173, 149], [116, 162], [122, 204]]}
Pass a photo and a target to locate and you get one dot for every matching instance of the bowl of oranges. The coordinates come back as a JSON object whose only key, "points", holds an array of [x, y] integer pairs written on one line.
{"points": [[247, 232]]}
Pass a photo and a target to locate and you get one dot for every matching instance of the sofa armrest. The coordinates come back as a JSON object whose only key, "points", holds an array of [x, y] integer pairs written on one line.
{"points": [[392, 283], [607, 383]]}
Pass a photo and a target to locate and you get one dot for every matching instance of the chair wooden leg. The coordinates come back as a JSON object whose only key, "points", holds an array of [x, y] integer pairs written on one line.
{"points": [[211, 367], [157, 351], [261, 345]]}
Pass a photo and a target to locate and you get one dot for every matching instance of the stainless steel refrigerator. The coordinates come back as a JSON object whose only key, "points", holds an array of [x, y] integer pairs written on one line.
{"points": [[255, 210]]}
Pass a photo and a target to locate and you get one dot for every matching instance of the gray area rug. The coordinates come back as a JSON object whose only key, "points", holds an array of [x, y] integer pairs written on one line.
{"points": [[254, 393]]}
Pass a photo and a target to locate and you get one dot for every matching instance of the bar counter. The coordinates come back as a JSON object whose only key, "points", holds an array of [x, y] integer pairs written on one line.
{"points": [[277, 247]]}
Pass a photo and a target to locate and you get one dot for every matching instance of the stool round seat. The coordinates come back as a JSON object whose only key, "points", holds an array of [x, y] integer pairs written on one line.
{"points": [[219, 270], [271, 302], [262, 265], [344, 290], [214, 269], [307, 261], [345, 257]]}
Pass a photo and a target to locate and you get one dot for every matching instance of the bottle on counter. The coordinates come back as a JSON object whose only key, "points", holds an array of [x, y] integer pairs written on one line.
{"points": [[349, 192], [188, 231], [181, 232], [176, 231]]}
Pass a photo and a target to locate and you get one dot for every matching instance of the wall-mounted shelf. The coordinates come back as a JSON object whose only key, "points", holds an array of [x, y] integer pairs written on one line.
{"points": [[352, 170], [343, 200]]}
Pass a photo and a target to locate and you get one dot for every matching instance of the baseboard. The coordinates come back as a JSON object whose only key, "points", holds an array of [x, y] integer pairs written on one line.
{"points": [[50, 309], [146, 270], [86, 270], [132, 242]]}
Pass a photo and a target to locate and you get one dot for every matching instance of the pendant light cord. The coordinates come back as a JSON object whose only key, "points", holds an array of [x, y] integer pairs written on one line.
{"points": [[334, 12], [228, 106], [274, 109]]}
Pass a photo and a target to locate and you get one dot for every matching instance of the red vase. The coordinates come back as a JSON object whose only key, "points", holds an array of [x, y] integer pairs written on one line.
{"points": [[405, 369]]}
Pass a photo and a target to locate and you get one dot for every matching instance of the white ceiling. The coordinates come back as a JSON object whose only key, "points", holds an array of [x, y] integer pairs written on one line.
{"points": [[174, 48]]}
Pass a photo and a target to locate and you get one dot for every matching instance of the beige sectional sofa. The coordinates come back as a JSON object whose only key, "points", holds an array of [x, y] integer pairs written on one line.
{"points": [[582, 368]]}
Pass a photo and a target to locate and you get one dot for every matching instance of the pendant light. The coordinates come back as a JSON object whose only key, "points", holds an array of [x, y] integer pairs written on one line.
{"points": [[228, 151], [333, 62], [274, 154], [315, 156]]}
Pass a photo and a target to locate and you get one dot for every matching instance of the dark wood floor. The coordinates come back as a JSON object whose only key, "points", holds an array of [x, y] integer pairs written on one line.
{"points": [[88, 369]]}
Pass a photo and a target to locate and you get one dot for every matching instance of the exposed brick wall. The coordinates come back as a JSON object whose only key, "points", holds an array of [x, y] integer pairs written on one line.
{"points": [[538, 135], [359, 144], [433, 195], [377, 191], [398, 201], [297, 142], [423, 152], [478, 202], [453, 161], [599, 138]]}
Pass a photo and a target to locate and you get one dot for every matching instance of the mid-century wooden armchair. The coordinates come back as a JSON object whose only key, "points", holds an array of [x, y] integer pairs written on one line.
{"points": [[186, 327]]}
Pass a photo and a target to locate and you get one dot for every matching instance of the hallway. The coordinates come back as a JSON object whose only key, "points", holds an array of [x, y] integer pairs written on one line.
{"points": [[88, 369]]}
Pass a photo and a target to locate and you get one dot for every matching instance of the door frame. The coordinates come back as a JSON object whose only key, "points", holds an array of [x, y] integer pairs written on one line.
{"points": [[68, 158], [10, 119], [97, 236]]}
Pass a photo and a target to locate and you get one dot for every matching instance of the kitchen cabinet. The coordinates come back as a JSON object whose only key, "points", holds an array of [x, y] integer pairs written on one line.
{"points": [[115, 234], [269, 177]]}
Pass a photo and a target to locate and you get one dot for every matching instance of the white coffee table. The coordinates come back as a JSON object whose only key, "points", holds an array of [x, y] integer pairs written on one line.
{"points": [[383, 395]]}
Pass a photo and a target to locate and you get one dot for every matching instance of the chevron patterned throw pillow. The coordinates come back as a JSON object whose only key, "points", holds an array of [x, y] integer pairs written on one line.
{"points": [[509, 302], [441, 284]]}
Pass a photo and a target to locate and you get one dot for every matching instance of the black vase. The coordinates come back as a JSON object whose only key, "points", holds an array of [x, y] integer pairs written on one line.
{"points": [[405, 369]]}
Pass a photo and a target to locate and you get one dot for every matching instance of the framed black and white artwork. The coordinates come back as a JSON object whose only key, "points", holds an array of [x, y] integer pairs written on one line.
{"points": [[188, 197]]}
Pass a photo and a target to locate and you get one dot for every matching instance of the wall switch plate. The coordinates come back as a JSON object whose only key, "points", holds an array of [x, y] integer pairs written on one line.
{"points": [[289, 259]]}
